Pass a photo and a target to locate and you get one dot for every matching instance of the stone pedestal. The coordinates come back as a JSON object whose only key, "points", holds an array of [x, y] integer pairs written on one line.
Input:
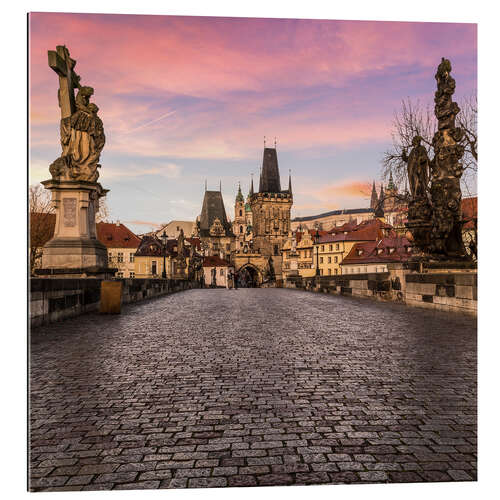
{"points": [[75, 250]]}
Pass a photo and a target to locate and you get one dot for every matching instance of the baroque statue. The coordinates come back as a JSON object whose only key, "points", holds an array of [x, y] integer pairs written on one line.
{"points": [[434, 212], [81, 129]]}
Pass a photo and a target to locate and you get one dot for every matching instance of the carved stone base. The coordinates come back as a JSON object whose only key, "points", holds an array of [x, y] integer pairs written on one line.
{"points": [[82, 272], [75, 245], [65, 253]]}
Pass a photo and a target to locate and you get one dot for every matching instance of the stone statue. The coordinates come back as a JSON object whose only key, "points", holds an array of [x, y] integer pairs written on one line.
{"points": [[446, 195], [434, 215], [418, 168], [81, 129]]}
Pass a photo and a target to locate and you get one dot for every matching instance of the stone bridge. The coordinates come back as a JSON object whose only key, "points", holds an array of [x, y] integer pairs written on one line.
{"points": [[250, 387]]}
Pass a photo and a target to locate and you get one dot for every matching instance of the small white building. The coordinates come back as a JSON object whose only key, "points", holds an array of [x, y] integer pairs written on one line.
{"points": [[214, 266]]}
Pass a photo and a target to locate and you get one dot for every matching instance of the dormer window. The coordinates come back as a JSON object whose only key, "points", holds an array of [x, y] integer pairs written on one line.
{"points": [[360, 251], [391, 250], [379, 251]]}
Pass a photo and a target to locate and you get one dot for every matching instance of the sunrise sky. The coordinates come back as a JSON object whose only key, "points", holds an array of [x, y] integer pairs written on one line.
{"points": [[184, 99]]}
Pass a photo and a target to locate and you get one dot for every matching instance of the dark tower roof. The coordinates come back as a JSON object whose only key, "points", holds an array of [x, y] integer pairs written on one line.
{"points": [[213, 207], [239, 196], [270, 174], [251, 187], [382, 195], [374, 198], [290, 182]]}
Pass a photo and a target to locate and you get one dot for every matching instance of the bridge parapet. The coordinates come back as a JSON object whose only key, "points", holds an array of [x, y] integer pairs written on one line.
{"points": [[454, 291], [57, 299]]}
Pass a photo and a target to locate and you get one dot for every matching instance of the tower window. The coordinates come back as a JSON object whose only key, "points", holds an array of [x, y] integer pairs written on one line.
{"points": [[276, 249], [241, 213], [241, 228]]}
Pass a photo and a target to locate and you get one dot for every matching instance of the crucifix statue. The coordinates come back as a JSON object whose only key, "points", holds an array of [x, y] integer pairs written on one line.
{"points": [[63, 65], [82, 131]]}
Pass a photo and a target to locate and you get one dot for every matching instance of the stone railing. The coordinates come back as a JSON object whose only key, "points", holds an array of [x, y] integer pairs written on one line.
{"points": [[56, 299], [454, 291]]}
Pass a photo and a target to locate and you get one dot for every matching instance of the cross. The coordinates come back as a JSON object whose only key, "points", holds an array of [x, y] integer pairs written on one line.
{"points": [[63, 65]]}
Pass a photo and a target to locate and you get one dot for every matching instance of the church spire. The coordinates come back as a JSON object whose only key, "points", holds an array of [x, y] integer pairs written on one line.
{"points": [[381, 195], [289, 181], [374, 198], [390, 186], [251, 186], [239, 196]]}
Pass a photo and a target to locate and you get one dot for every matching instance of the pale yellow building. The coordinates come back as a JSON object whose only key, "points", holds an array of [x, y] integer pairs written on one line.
{"points": [[333, 248]]}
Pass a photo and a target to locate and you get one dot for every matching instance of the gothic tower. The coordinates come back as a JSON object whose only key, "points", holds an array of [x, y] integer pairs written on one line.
{"points": [[271, 211], [239, 223]]}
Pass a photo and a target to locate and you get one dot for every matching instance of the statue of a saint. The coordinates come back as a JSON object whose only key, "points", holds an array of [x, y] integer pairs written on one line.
{"points": [[418, 168]]}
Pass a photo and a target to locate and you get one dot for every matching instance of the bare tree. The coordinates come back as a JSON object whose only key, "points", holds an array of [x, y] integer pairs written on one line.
{"points": [[42, 221], [103, 214], [417, 119]]}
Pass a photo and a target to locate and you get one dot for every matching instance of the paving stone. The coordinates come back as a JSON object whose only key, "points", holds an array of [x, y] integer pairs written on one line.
{"points": [[373, 476], [139, 485], [274, 479], [183, 384]]}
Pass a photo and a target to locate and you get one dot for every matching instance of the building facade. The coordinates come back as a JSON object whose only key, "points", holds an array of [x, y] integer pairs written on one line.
{"points": [[121, 244], [213, 228]]}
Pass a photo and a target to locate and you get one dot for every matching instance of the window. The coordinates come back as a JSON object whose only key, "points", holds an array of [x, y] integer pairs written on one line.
{"points": [[322, 248], [228, 247], [330, 247], [329, 260], [336, 271], [222, 272], [329, 272], [337, 246], [276, 249], [131, 257], [110, 257], [321, 260], [241, 229], [241, 244], [216, 245], [120, 257], [132, 274], [336, 259], [153, 267], [119, 275], [241, 213]]}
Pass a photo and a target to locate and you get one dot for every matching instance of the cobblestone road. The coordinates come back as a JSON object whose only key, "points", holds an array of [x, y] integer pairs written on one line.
{"points": [[209, 388]]}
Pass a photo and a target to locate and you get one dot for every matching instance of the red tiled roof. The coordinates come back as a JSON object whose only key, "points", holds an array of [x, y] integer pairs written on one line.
{"points": [[214, 261], [373, 252], [369, 230], [195, 242], [116, 235]]}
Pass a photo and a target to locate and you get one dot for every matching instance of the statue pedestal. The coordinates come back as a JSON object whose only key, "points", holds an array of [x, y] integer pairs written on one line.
{"points": [[75, 251]]}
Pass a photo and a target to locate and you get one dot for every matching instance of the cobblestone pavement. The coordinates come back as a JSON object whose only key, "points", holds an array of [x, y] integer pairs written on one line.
{"points": [[251, 387]]}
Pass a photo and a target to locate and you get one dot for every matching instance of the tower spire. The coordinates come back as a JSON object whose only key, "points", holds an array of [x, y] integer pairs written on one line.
{"points": [[390, 186], [205, 184], [220, 186], [374, 198], [290, 181], [251, 185], [381, 196]]}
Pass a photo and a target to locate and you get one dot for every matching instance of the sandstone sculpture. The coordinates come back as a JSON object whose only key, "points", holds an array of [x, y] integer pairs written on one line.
{"points": [[434, 215], [81, 129]]}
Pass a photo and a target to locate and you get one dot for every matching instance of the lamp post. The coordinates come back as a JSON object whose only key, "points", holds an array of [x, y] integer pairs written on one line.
{"points": [[316, 240], [164, 241]]}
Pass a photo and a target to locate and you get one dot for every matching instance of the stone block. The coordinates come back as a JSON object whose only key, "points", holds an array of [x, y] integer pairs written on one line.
{"points": [[111, 297], [421, 288], [464, 292]]}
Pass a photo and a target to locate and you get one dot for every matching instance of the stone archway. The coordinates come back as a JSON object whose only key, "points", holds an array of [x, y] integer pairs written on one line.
{"points": [[249, 276]]}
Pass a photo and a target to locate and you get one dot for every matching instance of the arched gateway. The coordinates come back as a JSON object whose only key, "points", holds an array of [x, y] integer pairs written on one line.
{"points": [[249, 276]]}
